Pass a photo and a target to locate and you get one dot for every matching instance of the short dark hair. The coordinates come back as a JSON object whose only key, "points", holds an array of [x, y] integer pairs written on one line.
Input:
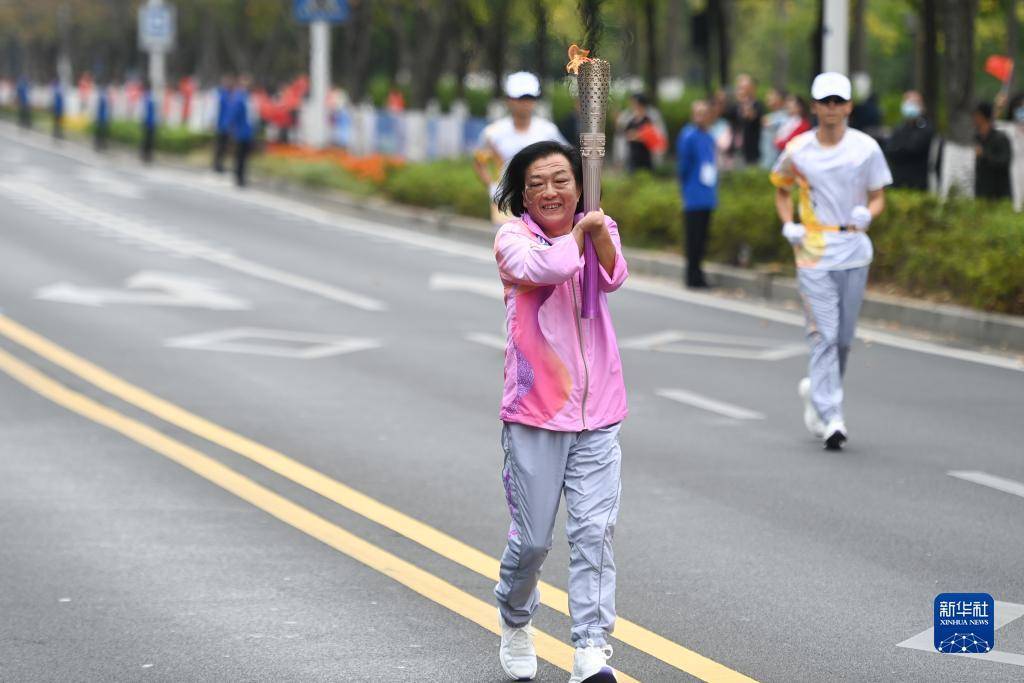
{"points": [[640, 98], [985, 109], [509, 195]]}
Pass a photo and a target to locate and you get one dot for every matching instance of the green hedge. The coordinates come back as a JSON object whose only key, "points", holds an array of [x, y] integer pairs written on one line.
{"points": [[172, 139], [963, 251]]}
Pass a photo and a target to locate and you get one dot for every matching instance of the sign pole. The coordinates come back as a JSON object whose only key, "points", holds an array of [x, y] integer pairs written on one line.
{"points": [[320, 77]]}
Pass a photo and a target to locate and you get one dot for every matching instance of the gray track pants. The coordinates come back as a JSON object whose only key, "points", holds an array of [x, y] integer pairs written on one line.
{"points": [[539, 465], [832, 300]]}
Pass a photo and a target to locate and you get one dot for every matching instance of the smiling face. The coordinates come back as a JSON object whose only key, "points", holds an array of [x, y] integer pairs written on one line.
{"points": [[551, 194]]}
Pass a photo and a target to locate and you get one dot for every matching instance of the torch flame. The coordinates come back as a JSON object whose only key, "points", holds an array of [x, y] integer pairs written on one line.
{"points": [[577, 56]]}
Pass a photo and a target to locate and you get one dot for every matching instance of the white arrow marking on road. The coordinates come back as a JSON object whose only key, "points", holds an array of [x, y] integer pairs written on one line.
{"points": [[1004, 613], [484, 286], [712, 405], [172, 290], [720, 345], [990, 480], [282, 343]]}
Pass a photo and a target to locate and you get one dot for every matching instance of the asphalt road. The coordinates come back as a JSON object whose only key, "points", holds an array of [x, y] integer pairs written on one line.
{"points": [[250, 438]]}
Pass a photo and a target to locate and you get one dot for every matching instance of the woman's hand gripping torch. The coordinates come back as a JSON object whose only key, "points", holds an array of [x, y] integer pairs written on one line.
{"points": [[593, 77]]}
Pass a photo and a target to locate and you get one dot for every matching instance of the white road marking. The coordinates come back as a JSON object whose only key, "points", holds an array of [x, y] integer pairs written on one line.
{"points": [[990, 480], [109, 183], [712, 405], [764, 312], [165, 289], [136, 233], [489, 287], [1005, 612], [491, 340], [485, 255], [721, 345], [260, 341]]}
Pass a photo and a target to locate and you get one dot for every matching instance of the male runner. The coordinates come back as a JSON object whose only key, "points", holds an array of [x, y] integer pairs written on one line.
{"points": [[840, 174]]}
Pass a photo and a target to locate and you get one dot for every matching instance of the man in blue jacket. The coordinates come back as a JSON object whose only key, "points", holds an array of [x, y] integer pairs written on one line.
{"points": [[698, 176], [24, 102], [101, 127], [58, 110], [223, 137], [148, 122], [240, 125]]}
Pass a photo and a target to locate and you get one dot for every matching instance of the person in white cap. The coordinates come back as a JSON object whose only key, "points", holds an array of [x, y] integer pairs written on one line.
{"points": [[504, 138], [840, 174]]}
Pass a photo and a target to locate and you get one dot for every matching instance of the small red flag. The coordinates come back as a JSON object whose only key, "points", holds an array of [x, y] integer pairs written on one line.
{"points": [[999, 66]]}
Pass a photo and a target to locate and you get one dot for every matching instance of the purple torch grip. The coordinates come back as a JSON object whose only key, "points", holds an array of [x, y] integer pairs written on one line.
{"points": [[594, 77]]}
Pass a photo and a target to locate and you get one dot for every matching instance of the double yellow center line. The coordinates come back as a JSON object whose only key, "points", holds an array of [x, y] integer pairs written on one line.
{"points": [[413, 577]]}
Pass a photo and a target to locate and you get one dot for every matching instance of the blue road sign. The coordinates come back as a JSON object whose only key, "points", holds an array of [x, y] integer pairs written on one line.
{"points": [[333, 11]]}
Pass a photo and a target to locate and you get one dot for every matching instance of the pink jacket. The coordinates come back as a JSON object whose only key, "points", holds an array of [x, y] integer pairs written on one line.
{"points": [[562, 373]]}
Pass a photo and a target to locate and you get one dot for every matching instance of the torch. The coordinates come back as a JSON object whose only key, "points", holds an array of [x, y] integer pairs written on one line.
{"points": [[592, 77]]}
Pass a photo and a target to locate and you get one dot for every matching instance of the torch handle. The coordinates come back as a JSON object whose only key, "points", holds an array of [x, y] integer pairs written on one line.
{"points": [[591, 202]]}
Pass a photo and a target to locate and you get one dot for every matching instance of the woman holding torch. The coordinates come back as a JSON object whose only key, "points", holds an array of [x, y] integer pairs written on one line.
{"points": [[563, 402]]}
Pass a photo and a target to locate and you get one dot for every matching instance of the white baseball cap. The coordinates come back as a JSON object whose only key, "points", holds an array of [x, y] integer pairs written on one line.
{"points": [[522, 84], [830, 83]]}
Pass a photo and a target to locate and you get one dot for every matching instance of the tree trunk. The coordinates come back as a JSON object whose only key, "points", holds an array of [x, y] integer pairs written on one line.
{"points": [[672, 54], [930, 57], [958, 29], [498, 42], [858, 34], [358, 34], [1013, 42], [780, 66], [540, 53], [651, 62], [432, 21], [721, 22]]}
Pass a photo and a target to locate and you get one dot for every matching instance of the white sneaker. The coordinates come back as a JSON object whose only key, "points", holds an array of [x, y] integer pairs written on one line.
{"points": [[516, 654], [591, 664], [812, 421], [835, 434]]}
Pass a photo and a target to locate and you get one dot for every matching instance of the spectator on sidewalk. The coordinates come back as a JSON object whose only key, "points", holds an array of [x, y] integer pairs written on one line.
{"points": [[645, 140], [240, 124], [148, 122], [798, 120], [771, 122], [993, 154], [698, 179], [101, 124], [745, 117], [1013, 127], [720, 129], [24, 102], [58, 110], [910, 144], [503, 139], [222, 135]]}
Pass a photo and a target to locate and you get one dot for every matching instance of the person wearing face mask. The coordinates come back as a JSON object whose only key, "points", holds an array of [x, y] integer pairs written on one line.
{"points": [[910, 144], [563, 403], [840, 176]]}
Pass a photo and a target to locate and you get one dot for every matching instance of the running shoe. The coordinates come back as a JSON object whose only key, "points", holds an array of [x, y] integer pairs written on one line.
{"points": [[590, 665], [835, 434], [812, 421], [516, 654]]}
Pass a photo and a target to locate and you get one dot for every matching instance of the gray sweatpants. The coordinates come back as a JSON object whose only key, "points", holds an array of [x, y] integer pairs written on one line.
{"points": [[832, 300], [539, 465]]}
